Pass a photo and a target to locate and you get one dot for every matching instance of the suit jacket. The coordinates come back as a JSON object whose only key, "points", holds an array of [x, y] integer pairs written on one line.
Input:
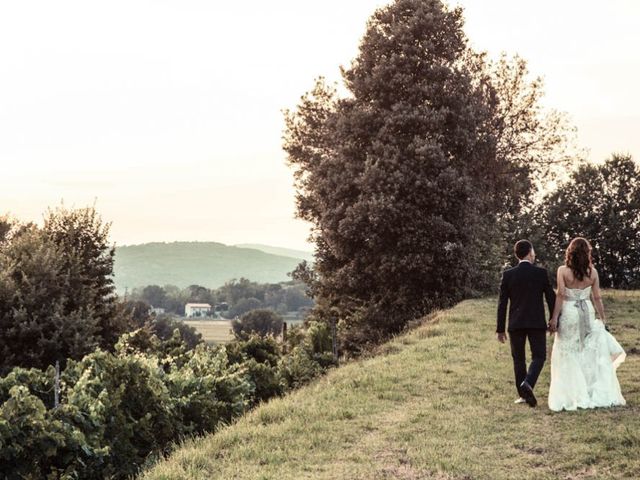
{"points": [[524, 288]]}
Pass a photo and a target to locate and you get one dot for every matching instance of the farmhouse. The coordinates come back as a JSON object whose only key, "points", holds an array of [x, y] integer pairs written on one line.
{"points": [[197, 310]]}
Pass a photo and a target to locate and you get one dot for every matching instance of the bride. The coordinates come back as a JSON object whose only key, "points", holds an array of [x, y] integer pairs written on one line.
{"points": [[585, 355]]}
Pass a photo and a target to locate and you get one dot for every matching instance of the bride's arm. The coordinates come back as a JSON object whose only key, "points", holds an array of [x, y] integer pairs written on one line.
{"points": [[553, 324], [597, 296]]}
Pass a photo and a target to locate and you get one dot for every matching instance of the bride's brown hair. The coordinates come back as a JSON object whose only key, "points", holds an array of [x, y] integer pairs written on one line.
{"points": [[578, 258]]}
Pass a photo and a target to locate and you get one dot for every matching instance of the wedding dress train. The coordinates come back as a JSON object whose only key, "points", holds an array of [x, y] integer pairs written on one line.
{"points": [[584, 358]]}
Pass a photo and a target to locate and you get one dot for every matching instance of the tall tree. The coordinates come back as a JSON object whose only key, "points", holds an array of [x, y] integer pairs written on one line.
{"points": [[37, 326], [404, 180], [56, 293], [88, 259]]}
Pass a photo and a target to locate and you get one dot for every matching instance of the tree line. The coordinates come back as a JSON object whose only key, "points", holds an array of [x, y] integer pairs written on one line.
{"points": [[238, 296]]}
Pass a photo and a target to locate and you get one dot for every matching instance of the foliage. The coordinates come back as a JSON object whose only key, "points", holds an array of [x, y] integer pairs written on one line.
{"points": [[115, 410], [118, 408], [38, 327], [318, 344], [243, 295], [56, 294], [244, 306], [404, 180], [601, 203], [298, 368], [209, 391], [88, 261], [260, 321], [138, 311], [154, 295], [163, 326], [261, 355]]}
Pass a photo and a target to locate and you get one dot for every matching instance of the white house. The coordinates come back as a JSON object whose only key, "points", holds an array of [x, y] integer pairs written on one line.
{"points": [[197, 310]]}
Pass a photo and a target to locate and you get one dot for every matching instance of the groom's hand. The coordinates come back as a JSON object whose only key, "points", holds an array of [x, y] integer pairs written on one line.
{"points": [[501, 336], [553, 325]]}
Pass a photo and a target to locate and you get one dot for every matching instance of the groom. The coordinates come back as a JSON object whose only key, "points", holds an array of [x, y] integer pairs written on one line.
{"points": [[524, 288]]}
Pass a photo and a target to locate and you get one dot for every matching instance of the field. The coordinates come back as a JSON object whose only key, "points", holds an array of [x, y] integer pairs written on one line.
{"points": [[219, 331], [212, 331], [436, 403]]}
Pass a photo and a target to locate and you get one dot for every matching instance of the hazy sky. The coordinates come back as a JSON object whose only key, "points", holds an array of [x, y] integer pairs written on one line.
{"points": [[166, 113]]}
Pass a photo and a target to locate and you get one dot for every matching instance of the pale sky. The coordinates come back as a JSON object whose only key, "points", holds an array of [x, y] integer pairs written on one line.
{"points": [[167, 113]]}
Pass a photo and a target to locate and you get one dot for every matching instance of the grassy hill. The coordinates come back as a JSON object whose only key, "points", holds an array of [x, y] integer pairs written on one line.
{"points": [[436, 404], [208, 264]]}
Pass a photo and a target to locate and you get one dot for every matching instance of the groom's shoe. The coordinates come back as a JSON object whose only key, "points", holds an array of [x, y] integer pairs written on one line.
{"points": [[527, 393]]}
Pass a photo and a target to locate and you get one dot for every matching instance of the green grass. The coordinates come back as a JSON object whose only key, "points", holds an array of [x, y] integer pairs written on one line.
{"points": [[436, 403]]}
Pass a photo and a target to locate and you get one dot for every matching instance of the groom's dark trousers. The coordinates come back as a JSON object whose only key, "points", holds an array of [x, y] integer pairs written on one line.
{"points": [[523, 290]]}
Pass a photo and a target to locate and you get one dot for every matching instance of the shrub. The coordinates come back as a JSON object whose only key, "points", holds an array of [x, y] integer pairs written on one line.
{"points": [[115, 410], [208, 390], [260, 321], [118, 409], [298, 368], [261, 356]]}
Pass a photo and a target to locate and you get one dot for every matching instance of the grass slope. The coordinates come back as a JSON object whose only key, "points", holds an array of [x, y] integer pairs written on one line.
{"points": [[436, 404], [208, 264]]}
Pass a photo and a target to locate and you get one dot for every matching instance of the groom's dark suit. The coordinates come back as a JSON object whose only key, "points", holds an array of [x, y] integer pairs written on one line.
{"points": [[524, 288]]}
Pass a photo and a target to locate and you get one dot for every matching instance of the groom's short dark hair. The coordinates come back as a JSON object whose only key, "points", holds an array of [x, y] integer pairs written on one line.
{"points": [[522, 248]]}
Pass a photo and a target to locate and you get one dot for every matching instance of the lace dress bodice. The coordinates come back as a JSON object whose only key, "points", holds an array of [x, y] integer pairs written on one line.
{"points": [[578, 293]]}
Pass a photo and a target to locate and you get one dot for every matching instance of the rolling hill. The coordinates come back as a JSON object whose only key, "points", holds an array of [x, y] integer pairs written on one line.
{"points": [[209, 264], [285, 252]]}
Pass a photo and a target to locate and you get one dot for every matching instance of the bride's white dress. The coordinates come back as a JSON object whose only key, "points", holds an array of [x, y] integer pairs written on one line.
{"points": [[584, 358]]}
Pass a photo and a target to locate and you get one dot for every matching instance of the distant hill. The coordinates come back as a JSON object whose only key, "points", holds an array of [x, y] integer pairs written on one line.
{"points": [[285, 252], [208, 264]]}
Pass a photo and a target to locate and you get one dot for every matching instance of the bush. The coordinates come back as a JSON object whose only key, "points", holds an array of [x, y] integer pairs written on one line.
{"points": [[118, 409], [35, 443], [298, 368], [209, 391], [115, 410], [260, 321], [261, 356], [318, 343]]}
